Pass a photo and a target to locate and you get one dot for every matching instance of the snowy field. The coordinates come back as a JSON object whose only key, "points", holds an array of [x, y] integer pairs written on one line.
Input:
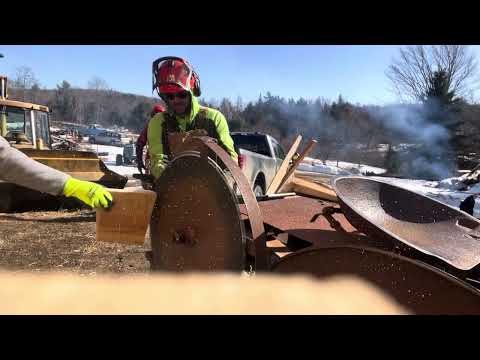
{"points": [[444, 191], [343, 168], [108, 154]]}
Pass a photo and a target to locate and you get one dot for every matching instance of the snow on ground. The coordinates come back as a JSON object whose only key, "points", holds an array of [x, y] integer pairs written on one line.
{"points": [[438, 190], [324, 169], [112, 151], [343, 167], [124, 170], [110, 158], [445, 191]]}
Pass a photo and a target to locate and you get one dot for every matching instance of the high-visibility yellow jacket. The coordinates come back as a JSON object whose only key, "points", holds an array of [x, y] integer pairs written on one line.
{"points": [[200, 117]]}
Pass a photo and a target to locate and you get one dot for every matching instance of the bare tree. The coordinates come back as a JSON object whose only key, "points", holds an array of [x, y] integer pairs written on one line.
{"points": [[24, 78], [413, 73], [97, 83]]}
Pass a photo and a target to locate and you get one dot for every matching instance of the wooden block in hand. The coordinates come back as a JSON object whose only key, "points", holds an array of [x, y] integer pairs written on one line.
{"points": [[128, 219]]}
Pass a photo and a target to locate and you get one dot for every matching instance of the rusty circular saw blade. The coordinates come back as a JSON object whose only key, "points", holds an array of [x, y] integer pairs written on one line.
{"points": [[193, 195], [418, 286], [207, 146]]}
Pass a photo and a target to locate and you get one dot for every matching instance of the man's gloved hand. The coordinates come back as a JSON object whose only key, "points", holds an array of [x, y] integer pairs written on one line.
{"points": [[92, 194]]}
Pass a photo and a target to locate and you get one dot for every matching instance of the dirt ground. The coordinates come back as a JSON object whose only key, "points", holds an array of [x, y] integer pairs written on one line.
{"points": [[63, 241]]}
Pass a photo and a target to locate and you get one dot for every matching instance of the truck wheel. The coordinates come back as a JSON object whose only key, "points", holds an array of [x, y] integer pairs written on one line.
{"points": [[119, 160], [258, 190]]}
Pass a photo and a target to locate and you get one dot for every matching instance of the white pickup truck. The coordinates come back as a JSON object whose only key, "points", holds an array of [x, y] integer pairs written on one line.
{"points": [[260, 157]]}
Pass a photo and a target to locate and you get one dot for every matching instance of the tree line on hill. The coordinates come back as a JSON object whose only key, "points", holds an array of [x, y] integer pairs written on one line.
{"points": [[428, 137]]}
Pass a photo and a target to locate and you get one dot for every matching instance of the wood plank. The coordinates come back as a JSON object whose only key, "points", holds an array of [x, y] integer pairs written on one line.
{"points": [[297, 162], [305, 187], [127, 220], [275, 184]]}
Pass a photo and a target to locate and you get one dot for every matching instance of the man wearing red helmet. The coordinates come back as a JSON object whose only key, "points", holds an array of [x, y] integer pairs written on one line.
{"points": [[142, 139], [179, 86]]}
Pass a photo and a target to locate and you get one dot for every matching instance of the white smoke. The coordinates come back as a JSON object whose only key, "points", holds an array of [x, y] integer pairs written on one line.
{"points": [[416, 123]]}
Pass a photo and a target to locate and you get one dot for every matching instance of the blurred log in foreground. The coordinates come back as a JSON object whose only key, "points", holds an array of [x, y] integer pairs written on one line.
{"points": [[60, 293]]}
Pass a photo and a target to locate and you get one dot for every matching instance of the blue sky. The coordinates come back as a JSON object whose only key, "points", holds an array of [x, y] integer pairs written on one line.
{"points": [[290, 71]]}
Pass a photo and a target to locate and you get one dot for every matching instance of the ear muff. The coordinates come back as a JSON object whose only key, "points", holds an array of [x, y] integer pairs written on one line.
{"points": [[196, 91]]}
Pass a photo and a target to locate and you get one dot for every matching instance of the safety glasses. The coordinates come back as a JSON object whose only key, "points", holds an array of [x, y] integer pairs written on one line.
{"points": [[171, 96]]}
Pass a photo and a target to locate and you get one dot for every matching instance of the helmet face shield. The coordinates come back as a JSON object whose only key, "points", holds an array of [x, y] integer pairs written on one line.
{"points": [[172, 75]]}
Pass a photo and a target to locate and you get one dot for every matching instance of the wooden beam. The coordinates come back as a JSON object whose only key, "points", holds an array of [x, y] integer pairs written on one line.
{"points": [[305, 187], [277, 179], [297, 162]]}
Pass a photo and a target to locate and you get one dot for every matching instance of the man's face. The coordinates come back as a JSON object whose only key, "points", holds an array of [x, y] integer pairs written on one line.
{"points": [[179, 102]]}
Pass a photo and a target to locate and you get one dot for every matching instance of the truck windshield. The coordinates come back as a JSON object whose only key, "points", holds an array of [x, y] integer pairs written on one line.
{"points": [[250, 142]]}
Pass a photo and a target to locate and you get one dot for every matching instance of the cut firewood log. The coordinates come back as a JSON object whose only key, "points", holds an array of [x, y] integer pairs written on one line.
{"points": [[191, 294]]}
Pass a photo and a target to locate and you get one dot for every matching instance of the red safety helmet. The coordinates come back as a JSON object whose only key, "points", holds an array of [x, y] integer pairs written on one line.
{"points": [[173, 74]]}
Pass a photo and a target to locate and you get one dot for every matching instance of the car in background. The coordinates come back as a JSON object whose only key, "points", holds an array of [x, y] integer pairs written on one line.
{"points": [[260, 157], [106, 138]]}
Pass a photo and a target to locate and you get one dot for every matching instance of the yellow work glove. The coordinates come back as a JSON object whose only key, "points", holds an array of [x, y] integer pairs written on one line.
{"points": [[90, 193]]}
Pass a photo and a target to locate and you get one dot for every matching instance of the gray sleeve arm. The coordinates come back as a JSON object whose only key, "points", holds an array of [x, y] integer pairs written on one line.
{"points": [[17, 168]]}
